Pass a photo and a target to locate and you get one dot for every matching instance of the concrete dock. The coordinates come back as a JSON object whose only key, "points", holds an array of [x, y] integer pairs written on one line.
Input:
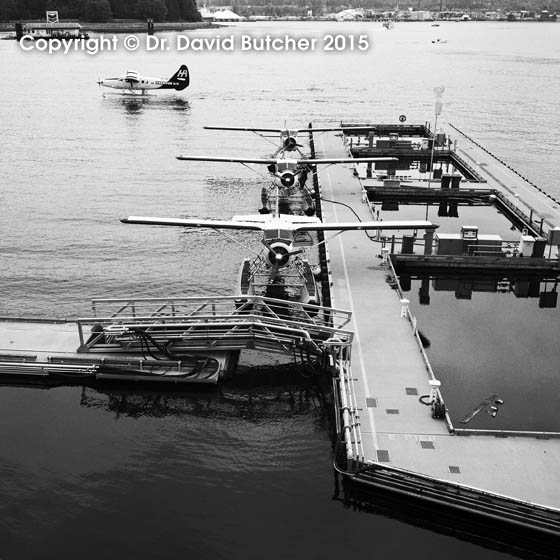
{"points": [[390, 371]]}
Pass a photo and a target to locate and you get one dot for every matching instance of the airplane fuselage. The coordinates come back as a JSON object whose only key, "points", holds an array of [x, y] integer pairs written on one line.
{"points": [[132, 81], [142, 83]]}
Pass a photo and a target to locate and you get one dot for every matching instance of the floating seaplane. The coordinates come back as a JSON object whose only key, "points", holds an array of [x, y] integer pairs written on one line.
{"points": [[288, 136], [288, 174], [132, 83], [281, 273]]}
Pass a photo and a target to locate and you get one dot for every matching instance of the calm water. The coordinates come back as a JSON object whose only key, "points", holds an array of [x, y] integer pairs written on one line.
{"points": [[245, 473]]}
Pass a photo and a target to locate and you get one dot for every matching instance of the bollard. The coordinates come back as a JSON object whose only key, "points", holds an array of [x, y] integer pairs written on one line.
{"points": [[404, 307], [434, 386], [385, 255]]}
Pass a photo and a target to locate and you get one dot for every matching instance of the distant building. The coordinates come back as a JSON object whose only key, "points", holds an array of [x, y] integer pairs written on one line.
{"points": [[52, 30], [219, 14], [421, 15], [350, 15]]}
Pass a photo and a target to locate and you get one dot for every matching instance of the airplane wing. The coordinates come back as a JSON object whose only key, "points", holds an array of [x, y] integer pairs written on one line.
{"points": [[344, 160], [282, 220], [264, 161], [333, 129], [193, 222], [279, 130], [347, 226], [248, 129]]}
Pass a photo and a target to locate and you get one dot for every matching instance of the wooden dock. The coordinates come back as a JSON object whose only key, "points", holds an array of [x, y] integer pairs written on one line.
{"points": [[390, 371]]}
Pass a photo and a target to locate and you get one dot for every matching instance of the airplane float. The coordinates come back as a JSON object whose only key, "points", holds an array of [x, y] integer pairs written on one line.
{"points": [[132, 83], [288, 136], [290, 173], [280, 238]]}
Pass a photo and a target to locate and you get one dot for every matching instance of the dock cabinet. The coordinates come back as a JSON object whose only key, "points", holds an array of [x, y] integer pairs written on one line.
{"points": [[456, 244]]}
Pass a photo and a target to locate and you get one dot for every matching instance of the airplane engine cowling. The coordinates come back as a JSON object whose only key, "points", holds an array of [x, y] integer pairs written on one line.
{"points": [[287, 179], [290, 144], [279, 255]]}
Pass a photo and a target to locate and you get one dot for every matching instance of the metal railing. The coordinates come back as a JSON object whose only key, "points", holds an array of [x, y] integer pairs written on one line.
{"points": [[206, 323], [413, 321], [348, 408]]}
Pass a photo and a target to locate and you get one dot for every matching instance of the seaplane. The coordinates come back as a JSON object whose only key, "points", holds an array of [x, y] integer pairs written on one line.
{"points": [[287, 173], [132, 83], [288, 136], [282, 239]]}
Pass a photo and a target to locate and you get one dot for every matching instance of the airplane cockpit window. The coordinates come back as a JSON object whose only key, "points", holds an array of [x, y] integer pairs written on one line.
{"points": [[284, 167]]}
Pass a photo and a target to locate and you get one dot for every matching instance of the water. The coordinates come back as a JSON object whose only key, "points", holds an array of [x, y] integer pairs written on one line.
{"points": [[245, 473]]}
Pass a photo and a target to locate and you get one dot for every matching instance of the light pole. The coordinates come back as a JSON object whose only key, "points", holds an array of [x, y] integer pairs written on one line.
{"points": [[439, 105]]}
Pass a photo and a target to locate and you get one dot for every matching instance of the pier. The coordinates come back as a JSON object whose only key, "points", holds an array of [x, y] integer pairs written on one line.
{"points": [[168, 340], [395, 431], [393, 440]]}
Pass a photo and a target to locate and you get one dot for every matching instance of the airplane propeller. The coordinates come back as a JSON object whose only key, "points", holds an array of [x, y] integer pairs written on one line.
{"points": [[290, 144]]}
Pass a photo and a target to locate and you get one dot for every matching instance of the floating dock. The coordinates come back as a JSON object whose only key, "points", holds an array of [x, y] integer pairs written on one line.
{"points": [[395, 430], [167, 340], [392, 440]]}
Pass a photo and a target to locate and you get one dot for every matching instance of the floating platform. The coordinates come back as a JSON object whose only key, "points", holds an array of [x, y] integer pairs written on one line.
{"points": [[417, 195], [465, 263], [162, 340], [391, 439]]}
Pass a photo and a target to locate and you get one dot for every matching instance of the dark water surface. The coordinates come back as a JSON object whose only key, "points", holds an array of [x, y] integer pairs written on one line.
{"points": [[244, 472]]}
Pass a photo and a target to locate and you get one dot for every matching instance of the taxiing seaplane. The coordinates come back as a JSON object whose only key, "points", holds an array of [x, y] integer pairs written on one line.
{"points": [[132, 83], [287, 173], [288, 136], [281, 273]]}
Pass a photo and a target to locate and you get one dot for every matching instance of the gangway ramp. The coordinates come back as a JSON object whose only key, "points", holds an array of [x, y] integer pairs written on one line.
{"points": [[198, 324], [168, 340]]}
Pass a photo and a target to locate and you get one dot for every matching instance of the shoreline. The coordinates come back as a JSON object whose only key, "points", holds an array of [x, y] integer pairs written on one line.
{"points": [[136, 26], [126, 26]]}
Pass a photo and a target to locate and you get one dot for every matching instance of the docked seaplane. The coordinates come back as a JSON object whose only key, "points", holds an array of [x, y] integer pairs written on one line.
{"points": [[281, 273], [288, 136], [289, 174], [132, 83]]}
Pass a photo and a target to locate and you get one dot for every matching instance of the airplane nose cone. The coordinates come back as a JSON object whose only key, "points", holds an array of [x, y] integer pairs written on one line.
{"points": [[287, 179]]}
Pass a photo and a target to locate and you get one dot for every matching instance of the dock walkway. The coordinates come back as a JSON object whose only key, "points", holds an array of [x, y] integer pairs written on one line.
{"points": [[523, 195], [390, 373]]}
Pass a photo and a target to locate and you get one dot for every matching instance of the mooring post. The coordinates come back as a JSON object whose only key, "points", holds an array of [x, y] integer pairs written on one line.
{"points": [[404, 307], [385, 255], [428, 241], [434, 386], [370, 145]]}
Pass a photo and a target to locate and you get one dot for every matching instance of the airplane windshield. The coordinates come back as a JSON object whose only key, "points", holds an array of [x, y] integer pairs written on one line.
{"points": [[284, 166], [285, 234]]}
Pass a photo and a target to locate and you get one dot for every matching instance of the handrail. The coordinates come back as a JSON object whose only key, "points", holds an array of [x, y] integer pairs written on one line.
{"points": [[228, 305], [221, 321], [413, 321]]}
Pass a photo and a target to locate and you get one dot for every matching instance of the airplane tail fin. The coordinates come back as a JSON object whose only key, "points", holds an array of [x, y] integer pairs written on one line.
{"points": [[181, 79]]}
